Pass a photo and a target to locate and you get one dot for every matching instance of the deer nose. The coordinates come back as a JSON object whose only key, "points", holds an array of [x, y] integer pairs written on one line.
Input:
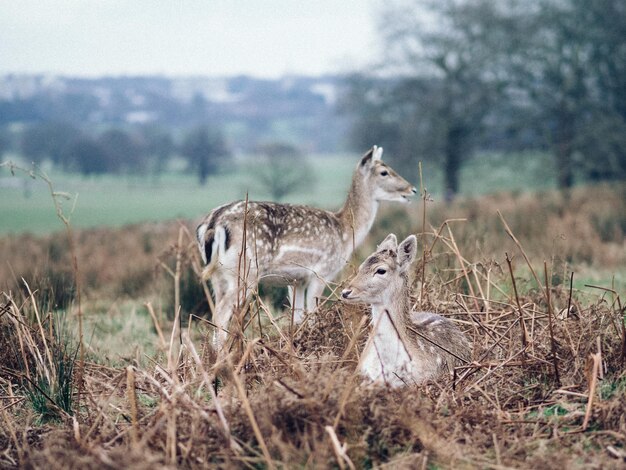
{"points": [[346, 293], [414, 190]]}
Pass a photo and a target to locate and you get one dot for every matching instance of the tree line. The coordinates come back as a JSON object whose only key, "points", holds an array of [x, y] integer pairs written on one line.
{"points": [[471, 75], [140, 150], [458, 76], [279, 169]]}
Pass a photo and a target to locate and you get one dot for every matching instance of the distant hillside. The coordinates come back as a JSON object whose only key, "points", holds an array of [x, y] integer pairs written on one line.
{"points": [[300, 110]]}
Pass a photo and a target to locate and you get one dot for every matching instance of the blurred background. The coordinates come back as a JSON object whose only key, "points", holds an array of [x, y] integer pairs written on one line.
{"points": [[155, 110], [143, 115]]}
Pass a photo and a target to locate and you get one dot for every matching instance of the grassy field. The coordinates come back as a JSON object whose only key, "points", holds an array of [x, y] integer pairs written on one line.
{"points": [[117, 200], [291, 397], [25, 204]]}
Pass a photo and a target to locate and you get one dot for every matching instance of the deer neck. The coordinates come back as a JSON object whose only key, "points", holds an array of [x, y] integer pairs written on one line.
{"points": [[391, 318], [358, 213], [388, 355]]}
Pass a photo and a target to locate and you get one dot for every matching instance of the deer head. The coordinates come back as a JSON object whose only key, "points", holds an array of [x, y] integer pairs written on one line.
{"points": [[382, 181], [383, 274]]}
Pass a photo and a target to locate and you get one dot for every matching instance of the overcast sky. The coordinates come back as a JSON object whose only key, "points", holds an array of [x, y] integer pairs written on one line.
{"points": [[267, 38]]}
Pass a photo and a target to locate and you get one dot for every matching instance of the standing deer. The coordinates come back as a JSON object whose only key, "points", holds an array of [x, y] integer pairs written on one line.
{"points": [[297, 245], [404, 346]]}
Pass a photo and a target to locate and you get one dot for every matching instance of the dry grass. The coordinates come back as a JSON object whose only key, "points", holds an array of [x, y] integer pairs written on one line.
{"points": [[291, 397]]}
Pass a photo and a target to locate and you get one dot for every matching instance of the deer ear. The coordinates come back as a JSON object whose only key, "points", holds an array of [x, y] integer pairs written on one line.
{"points": [[389, 243], [366, 160], [406, 252], [377, 152]]}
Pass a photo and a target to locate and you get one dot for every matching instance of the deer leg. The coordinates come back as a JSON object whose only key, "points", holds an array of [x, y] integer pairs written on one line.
{"points": [[298, 301], [314, 291], [225, 290], [223, 313], [218, 293]]}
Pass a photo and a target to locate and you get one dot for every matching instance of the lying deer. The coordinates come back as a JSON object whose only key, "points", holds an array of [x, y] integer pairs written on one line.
{"points": [[404, 346], [301, 246]]}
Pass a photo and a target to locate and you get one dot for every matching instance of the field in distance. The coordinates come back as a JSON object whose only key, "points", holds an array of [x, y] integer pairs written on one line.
{"points": [[117, 200]]}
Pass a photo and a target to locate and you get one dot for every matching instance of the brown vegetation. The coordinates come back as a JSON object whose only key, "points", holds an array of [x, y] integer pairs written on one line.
{"points": [[547, 383]]}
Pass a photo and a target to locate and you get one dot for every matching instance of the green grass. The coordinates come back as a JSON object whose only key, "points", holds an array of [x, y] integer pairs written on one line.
{"points": [[109, 200], [493, 172], [49, 389], [611, 388], [116, 334]]}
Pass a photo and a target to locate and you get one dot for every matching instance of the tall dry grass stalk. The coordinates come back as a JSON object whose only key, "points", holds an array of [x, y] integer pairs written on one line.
{"points": [[285, 403], [65, 217], [293, 397], [524, 333], [424, 195], [38, 355]]}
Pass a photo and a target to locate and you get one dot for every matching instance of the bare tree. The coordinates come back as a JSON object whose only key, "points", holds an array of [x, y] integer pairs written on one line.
{"points": [[448, 79], [282, 169], [550, 69], [204, 148]]}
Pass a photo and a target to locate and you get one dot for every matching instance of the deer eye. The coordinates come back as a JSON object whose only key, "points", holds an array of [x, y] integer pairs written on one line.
{"points": [[381, 271], [384, 173]]}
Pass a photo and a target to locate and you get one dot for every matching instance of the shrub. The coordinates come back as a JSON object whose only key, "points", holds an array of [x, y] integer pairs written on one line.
{"points": [[42, 359]]}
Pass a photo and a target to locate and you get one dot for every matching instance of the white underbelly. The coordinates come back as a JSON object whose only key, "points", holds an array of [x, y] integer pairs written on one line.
{"points": [[304, 262]]}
